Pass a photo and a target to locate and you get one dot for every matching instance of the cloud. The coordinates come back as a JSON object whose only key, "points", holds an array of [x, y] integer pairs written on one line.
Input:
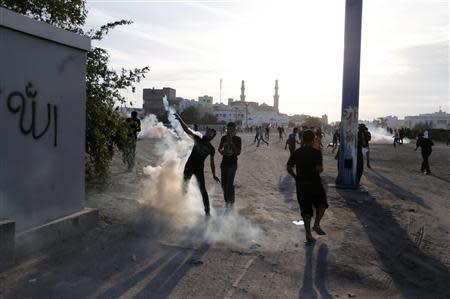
{"points": [[414, 78]]}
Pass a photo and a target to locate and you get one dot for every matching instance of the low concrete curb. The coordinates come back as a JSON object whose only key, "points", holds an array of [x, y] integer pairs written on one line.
{"points": [[7, 232], [62, 229]]}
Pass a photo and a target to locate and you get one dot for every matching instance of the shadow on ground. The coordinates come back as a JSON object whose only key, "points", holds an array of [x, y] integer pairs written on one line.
{"points": [[318, 279], [414, 273], [125, 264], [386, 184]]}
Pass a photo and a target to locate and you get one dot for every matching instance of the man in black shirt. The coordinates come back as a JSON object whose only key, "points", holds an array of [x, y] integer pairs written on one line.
{"points": [[230, 148], [134, 127], [425, 143], [310, 191], [196, 162]]}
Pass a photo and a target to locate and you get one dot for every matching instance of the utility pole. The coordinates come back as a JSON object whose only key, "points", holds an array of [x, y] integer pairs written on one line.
{"points": [[350, 96]]}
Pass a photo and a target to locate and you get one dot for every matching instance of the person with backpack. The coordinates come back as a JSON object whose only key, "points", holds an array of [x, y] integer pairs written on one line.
{"points": [[292, 141]]}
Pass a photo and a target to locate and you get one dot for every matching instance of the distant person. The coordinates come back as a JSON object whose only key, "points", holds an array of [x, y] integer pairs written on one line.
{"points": [[359, 153], [195, 127], [196, 162], [401, 135], [310, 192], [230, 147], [292, 141], [134, 127], [396, 137], [335, 140], [261, 138], [425, 143], [365, 145], [281, 132], [267, 132], [257, 133]]}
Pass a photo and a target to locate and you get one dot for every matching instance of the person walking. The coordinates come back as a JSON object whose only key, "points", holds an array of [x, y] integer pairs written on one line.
{"points": [[396, 137], [281, 133], [230, 148], [261, 138], [196, 162], [292, 141], [335, 141], [134, 127], [257, 133], [310, 192], [268, 132], [425, 143], [365, 145]]}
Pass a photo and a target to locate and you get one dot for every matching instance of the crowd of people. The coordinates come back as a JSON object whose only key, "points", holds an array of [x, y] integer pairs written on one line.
{"points": [[305, 162]]}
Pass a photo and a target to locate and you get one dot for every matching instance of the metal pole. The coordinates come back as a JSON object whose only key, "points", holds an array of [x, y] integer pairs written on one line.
{"points": [[347, 177]]}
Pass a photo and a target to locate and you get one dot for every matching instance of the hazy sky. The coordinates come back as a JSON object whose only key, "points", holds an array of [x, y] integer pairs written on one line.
{"points": [[190, 45]]}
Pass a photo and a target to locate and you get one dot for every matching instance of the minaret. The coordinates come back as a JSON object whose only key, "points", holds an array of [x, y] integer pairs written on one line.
{"points": [[276, 97], [243, 91]]}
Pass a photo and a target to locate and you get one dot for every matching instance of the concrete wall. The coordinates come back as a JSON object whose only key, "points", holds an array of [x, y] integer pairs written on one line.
{"points": [[42, 121]]}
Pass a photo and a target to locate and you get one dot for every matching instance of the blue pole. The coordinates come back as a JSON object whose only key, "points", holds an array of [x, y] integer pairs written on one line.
{"points": [[350, 96]]}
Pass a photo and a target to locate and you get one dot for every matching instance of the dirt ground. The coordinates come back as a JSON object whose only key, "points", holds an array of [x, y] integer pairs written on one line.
{"points": [[390, 241]]}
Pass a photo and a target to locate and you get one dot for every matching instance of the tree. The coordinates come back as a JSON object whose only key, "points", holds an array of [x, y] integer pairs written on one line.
{"points": [[105, 128], [208, 119], [67, 14], [190, 115], [313, 122], [381, 122]]}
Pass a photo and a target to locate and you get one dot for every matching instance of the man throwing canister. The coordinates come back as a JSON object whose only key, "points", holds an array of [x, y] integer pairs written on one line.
{"points": [[310, 192], [230, 148], [196, 161]]}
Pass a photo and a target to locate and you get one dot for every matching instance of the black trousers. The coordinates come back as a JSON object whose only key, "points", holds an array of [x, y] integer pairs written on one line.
{"points": [[359, 166], [425, 164], [200, 176], [227, 174]]}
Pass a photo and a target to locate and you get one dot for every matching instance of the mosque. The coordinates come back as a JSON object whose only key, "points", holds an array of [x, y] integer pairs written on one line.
{"points": [[249, 114]]}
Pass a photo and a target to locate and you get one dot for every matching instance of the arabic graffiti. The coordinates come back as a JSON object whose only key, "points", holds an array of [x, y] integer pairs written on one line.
{"points": [[17, 102]]}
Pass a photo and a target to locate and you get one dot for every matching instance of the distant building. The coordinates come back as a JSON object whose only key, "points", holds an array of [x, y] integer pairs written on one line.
{"points": [[186, 103], [325, 119], [153, 100], [243, 91], [227, 113], [298, 119], [393, 122], [276, 97], [437, 120], [205, 100]]}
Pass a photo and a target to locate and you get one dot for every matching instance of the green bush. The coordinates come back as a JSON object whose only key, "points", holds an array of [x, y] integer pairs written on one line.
{"points": [[105, 128]]}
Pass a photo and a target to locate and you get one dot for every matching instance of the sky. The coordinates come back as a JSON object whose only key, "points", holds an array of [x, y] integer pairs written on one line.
{"points": [[191, 45]]}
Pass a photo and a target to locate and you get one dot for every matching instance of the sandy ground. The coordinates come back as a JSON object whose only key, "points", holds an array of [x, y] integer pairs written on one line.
{"points": [[389, 242]]}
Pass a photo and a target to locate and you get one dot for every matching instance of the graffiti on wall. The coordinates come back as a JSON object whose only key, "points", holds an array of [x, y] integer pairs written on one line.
{"points": [[350, 131], [18, 102]]}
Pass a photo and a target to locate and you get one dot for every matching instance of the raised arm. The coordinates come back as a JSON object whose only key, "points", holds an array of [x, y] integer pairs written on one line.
{"points": [[183, 125]]}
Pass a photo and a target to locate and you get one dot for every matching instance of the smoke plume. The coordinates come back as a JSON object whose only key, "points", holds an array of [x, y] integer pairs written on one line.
{"points": [[382, 136], [172, 207]]}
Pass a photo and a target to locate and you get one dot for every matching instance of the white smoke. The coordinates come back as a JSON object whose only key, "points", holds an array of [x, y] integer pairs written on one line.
{"points": [[170, 205], [382, 136]]}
